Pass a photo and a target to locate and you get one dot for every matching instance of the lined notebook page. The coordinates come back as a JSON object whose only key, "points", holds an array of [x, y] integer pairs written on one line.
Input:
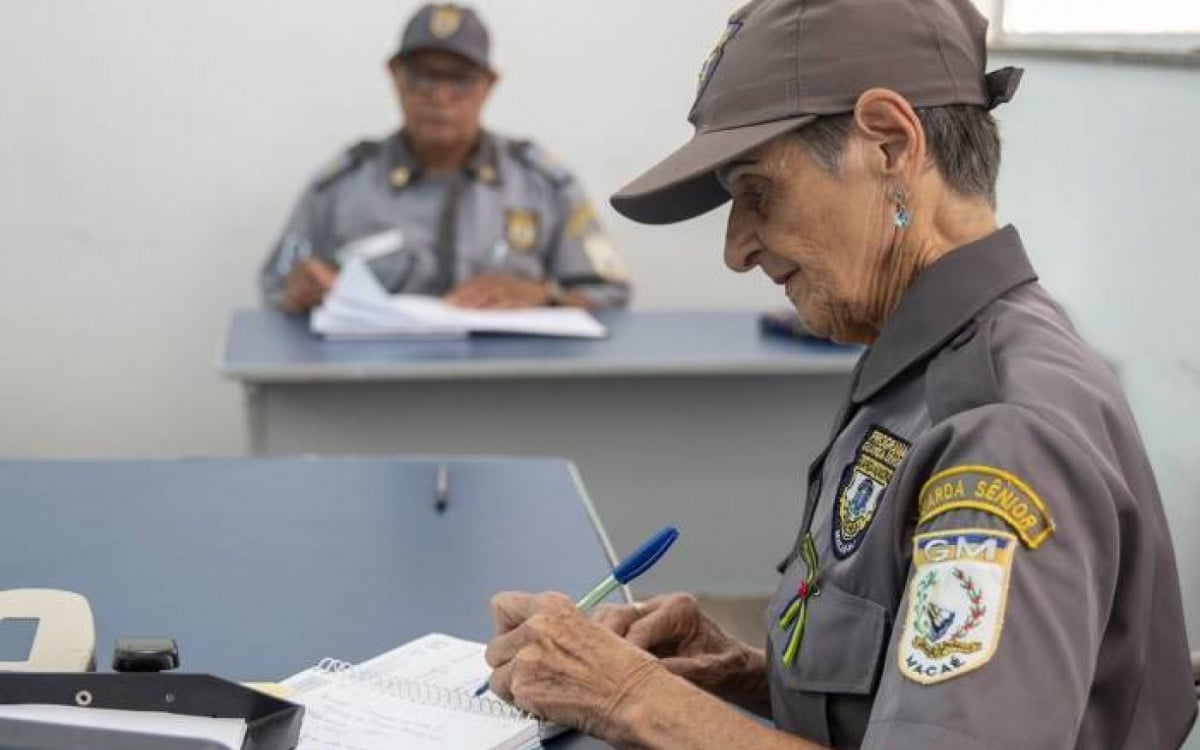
{"points": [[417, 696]]}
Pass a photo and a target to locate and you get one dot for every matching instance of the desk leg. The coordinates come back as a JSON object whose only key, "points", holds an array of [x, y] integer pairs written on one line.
{"points": [[254, 400]]}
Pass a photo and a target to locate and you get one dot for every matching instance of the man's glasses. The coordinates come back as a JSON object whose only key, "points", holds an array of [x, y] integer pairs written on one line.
{"points": [[426, 81]]}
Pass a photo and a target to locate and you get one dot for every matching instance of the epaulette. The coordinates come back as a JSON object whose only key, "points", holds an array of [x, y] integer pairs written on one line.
{"points": [[537, 159], [962, 376], [351, 160]]}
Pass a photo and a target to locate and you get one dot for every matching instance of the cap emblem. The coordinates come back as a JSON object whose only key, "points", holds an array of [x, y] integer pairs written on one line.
{"points": [[445, 21], [714, 57]]}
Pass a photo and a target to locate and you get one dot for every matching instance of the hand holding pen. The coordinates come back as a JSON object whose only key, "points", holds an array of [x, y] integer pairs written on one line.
{"points": [[637, 563]]}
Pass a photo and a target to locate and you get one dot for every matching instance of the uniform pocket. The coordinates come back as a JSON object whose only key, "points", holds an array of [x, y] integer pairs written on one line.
{"points": [[839, 658]]}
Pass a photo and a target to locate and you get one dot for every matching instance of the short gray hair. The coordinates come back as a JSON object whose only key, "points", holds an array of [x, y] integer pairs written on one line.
{"points": [[963, 140]]}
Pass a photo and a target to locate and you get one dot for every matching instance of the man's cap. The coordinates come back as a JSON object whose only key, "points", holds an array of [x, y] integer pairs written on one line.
{"points": [[782, 63], [446, 27]]}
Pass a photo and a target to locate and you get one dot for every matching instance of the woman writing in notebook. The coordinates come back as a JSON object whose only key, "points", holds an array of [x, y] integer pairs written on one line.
{"points": [[982, 559]]}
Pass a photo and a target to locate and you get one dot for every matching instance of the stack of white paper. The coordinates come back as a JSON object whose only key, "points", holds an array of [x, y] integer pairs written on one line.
{"points": [[226, 733], [359, 307]]}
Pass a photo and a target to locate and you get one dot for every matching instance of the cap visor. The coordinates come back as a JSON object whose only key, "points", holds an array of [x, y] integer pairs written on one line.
{"points": [[684, 184], [466, 54]]}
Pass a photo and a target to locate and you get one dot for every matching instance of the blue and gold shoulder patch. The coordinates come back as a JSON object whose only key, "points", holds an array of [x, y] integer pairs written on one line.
{"points": [[990, 490], [863, 483]]}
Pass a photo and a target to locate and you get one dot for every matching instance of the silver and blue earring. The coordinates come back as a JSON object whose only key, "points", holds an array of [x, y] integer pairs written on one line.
{"points": [[902, 218]]}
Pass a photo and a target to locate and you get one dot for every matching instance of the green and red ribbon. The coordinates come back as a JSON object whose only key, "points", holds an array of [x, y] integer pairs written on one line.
{"points": [[795, 613]]}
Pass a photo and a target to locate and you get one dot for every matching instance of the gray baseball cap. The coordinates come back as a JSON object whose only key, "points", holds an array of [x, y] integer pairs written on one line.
{"points": [[446, 27], [782, 63]]}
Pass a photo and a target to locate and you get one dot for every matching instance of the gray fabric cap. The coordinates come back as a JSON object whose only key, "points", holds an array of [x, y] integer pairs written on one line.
{"points": [[447, 27], [782, 63]]}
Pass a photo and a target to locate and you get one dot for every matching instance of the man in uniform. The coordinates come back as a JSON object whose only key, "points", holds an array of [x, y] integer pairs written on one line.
{"points": [[445, 207], [982, 560]]}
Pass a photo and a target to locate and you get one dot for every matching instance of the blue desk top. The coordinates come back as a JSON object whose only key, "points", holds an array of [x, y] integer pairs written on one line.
{"points": [[261, 567], [264, 346]]}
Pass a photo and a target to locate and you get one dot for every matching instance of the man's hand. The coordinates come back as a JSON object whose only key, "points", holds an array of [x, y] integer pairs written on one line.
{"points": [[495, 291], [551, 660], [690, 645], [307, 284]]}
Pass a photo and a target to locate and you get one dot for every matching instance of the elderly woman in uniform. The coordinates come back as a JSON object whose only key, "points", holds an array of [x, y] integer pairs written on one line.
{"points": [[982, 559]]}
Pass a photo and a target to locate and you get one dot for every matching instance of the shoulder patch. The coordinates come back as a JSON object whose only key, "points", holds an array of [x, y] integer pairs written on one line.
{"points": [[582, 216], [347, 163], [956, 603], [993, 491], [863, 483], [542, 162]]}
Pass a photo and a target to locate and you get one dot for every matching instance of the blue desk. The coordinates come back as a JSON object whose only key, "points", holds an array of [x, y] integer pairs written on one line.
{"points": [[260, 567], [685, 417], [264, 346]]}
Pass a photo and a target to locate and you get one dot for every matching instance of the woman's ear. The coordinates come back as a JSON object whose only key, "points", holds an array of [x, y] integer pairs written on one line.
{"points": [[893, 132]]}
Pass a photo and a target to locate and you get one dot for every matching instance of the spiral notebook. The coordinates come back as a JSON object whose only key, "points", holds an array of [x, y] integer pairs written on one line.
{"points": [[418, 696]]}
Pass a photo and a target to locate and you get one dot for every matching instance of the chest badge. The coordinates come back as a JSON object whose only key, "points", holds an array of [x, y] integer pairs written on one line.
{"points": [[521, 230], [863, 483]]}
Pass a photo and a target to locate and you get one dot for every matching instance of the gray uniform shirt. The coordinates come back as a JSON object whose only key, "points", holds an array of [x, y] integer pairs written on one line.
{"points": [[512, 211], [992, 563]]}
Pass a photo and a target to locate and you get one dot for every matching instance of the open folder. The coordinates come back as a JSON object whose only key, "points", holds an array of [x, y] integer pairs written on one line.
{"points": [[358, 307]]}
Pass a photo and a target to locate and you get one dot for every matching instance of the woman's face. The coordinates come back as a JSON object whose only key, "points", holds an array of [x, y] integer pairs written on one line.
{"points": [[822, 237]]}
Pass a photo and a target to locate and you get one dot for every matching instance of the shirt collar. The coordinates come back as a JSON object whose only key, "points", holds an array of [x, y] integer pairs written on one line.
{"points": [[942, 299], [484, 164]]}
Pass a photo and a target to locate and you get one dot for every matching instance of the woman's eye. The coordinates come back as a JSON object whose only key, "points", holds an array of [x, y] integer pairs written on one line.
{"points": [[746, 197], [755, 201]]}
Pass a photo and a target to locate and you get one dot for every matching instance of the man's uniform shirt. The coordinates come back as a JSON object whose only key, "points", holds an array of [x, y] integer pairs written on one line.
{"points": [[511, 211], [987, 563]]}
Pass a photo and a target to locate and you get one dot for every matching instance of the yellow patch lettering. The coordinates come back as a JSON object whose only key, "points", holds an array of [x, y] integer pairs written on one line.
{"points": [[993, 491]]}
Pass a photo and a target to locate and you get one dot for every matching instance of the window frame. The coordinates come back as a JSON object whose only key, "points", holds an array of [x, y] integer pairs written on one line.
{"points": [[1171, 49]]}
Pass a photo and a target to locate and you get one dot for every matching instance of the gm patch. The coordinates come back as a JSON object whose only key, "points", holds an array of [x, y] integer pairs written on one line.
{"points": [[863, 484], [956, 603], [993, 491]]}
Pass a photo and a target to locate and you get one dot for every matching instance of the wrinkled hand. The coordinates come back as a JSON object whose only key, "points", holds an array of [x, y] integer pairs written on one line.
{"points": [[307, 284], [689, 644], [495, 291], [551, 660]]}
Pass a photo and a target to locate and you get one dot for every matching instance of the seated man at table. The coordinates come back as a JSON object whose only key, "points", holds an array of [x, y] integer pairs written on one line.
{"points": [[444, 207]]}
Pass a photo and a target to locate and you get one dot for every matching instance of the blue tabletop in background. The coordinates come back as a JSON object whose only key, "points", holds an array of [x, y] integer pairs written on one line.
{"points": [[265, 346]]}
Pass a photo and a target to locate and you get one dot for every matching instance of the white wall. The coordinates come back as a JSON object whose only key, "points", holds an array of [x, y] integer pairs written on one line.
{"points": [[149, 151], [1103, 179]]}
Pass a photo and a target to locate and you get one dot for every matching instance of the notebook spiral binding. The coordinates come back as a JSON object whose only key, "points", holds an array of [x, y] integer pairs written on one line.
{"points": [[428, 695]]}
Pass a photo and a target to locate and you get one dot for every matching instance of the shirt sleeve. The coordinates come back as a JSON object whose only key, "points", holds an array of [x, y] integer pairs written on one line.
{"points": [[1013, 572], [305, 235], [583, 258]]}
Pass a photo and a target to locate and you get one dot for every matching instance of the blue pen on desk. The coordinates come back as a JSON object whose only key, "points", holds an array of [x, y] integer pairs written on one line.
{"points": [[441, 488], [631, 567]]}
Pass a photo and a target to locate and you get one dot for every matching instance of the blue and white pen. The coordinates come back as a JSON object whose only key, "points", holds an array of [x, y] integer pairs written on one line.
{"points": [[631, 567]]}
